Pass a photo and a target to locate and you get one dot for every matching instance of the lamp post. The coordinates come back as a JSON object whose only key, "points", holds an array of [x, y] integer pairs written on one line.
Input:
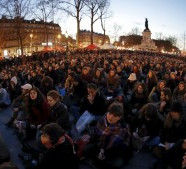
{"points": [[100, 41], [58, 37], [66, 35], [31, 36]]}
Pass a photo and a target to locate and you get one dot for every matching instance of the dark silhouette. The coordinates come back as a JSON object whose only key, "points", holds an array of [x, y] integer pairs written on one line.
{"points": [[146, 24]]}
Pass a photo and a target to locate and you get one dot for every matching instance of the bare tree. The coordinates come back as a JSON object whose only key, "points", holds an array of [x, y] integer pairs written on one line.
{"points": [[17, 10], [135, 31], [116, 31], [74, 8], [172, 39], [159, 36], [103, 10], [45, 10], [93, 7]]}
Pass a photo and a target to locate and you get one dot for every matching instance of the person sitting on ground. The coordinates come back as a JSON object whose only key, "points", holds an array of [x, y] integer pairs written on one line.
{"points": [[47, 84], [165, 103], [155, 93], [132, 79], [99, 78], [37, 111], [174, 156], [58, 111], [19, 105], [93, 104], [113, 84], [111, 139], [152, 80], [148, 127], [179, 92], [174, 126], [60, 149], [4, 98], [139, 97], [78, 92], [14, 88], [173, 131]]}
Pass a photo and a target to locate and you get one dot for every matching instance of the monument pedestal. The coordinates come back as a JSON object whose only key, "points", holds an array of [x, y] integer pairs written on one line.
{"points": [[147, 43]]}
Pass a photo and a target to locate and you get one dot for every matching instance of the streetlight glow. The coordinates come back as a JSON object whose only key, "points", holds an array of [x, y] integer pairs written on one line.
{"points": [[31, 36]]}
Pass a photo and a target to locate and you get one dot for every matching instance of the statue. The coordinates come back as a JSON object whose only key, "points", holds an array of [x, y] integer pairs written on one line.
{"points": [[146, 24]]}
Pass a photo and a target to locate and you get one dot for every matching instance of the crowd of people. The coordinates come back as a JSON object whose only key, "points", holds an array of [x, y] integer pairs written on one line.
{"points": [[97, 106]]}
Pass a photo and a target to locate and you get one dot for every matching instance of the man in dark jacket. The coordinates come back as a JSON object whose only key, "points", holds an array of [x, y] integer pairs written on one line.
{"points": [[93, 102], [92, 108]]}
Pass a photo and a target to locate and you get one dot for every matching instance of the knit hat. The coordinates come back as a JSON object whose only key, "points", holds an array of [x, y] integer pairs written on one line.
{"points": [[27, 86], [132, 77], [14, 79]]}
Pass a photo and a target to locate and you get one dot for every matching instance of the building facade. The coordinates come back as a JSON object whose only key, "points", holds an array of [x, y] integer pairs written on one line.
{"points": [[98, 38], [32, 34]]}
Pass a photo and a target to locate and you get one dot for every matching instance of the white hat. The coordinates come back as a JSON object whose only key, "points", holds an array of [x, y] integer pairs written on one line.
{"points": [[27, 86], [130, 61], [14, 79], [132, 77]]}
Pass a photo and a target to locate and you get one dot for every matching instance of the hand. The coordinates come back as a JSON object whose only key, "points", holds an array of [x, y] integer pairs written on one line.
{"points": [[90, 99], [168, 145], [15, 109], [163, 103]]}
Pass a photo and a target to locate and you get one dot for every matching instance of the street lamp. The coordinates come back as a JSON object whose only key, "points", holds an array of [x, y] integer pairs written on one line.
{"points": [[58, 37], [31, 36], [66, 35]]}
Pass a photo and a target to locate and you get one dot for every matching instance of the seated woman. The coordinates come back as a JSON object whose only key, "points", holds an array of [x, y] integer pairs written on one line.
{"points": [[139, 96], [47, 84], [99, 78], [148, 127], [165, 103], [78, 92], [179, 92], [37, 109], [111, 140], [58, 111], [152, 80], [60, 153], [113, 85], [174, 126], [155, 93]]}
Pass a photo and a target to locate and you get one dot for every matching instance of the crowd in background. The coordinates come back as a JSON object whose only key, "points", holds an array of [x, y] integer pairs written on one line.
{"points": [[100, 105]]}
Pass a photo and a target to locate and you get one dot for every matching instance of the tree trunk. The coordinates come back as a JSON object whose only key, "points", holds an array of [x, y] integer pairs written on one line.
{"points": [[92, 22], [78, 29], [103, 36], [20, 41], [104, 30]]}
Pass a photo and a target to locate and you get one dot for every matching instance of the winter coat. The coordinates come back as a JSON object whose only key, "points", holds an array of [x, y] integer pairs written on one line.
{"points": [[59, 114]]}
